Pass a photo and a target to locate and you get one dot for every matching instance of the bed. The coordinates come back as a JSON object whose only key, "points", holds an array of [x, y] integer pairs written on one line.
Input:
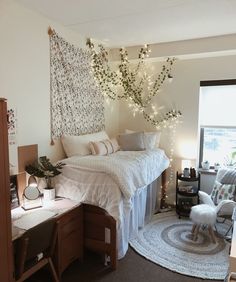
{"points": [[123, 183]]}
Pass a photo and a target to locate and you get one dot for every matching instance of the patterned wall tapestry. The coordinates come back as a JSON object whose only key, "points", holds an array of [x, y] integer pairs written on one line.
{"points": [[77, 105]]}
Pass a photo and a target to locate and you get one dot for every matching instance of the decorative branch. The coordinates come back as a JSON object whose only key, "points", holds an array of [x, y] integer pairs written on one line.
{"points": [[137, 86]]}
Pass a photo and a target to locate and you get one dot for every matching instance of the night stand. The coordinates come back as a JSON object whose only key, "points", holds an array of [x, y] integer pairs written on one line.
{"points": [[187, 189]]}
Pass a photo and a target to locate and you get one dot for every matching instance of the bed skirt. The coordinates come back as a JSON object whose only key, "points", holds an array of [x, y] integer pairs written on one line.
{"points": [[145, 203]]}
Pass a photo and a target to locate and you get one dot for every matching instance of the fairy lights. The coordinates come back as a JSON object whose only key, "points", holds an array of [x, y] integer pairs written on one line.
{"points": [[134, 83]]}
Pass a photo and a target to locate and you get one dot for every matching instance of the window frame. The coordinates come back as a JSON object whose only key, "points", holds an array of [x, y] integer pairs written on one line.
{"points": [[207, 83], [202, 128]]}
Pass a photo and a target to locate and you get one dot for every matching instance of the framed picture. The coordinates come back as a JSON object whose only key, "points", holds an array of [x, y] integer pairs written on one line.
{"points": [[14, 192]]}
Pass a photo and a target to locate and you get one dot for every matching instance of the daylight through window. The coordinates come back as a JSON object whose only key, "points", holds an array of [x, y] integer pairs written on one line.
{"points": [[217, 121]]}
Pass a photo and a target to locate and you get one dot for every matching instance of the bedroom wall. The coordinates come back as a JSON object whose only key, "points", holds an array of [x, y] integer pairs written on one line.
{"points": [[183, 93], [24, 76]]}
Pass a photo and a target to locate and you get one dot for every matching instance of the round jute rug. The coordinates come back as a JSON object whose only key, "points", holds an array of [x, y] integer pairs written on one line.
{"points": [[166, 240]]}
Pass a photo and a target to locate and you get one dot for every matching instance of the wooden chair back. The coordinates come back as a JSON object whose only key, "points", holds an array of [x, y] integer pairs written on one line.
{"points": [[35, 249]]}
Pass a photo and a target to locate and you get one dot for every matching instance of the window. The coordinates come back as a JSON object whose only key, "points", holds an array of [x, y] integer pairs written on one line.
{"points": [[217, 121]]}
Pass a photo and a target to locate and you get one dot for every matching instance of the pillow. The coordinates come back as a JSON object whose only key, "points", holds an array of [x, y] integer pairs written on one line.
{"points": [[229, 177], [79, 145], [222, 192], [104, 147], [151, 139], [131, 141], [205, 199]]}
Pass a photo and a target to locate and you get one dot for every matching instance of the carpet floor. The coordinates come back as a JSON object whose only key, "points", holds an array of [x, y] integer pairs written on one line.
{"points": [[167, 241], [132, 268]]}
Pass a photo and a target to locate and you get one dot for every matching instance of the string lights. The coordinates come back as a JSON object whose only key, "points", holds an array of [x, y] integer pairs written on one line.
{"points": [[134, 82]]}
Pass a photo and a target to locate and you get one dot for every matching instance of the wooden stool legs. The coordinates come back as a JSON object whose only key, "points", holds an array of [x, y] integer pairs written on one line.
{"points": [[195, 231], [212, 235]]}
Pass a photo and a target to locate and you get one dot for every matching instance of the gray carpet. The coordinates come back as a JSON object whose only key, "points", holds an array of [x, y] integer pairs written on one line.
{"points": [[132, 268], [167, 241]]}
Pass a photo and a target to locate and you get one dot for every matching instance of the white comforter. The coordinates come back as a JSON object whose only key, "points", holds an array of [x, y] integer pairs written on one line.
{"points": [[129, 170], [110, 181]]}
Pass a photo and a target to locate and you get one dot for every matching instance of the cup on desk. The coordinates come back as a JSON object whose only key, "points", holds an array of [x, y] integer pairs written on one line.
{"points": [[49, 194]]}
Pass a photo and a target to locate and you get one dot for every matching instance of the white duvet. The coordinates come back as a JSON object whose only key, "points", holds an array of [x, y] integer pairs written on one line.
{"points": [[110, 181]]}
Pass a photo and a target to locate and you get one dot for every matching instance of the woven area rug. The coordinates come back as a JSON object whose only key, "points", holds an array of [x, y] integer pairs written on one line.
{"points": [[166, 240]]}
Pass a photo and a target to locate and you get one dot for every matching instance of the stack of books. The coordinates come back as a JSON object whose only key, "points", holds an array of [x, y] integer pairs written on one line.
{"points": [[186, 188]]}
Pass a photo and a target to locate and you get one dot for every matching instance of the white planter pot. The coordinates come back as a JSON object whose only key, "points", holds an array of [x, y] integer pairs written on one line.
{"points": [[205, 165], [49, 194]]}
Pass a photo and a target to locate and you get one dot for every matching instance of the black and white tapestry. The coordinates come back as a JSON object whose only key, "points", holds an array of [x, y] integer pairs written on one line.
{"points": [[77, 105]]}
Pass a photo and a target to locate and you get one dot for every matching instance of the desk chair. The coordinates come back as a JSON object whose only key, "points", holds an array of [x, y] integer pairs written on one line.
{"points": [[35, 249]]}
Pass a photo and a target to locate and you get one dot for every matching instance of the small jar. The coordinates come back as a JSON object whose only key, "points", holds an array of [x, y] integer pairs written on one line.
{"points": [[186, 172], [192, 172]]}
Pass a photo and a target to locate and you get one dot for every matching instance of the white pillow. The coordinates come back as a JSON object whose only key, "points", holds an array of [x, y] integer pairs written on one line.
{"points": [[131, 141], [79, 145], [205, 199], [104, 147], [151, 139]]}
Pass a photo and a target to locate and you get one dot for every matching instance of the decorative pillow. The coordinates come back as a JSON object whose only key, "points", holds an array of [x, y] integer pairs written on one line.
{"points": [[229, 177], [79, 145], [104, 147], [131, 141], [205, 198], [151, 139], [222, 192]]}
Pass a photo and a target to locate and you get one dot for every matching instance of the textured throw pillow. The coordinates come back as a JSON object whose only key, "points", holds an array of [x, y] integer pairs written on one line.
{"points": [[222, 192], [151, 139], [104, 147], [229, 177], [131, 141], [79, 145]]}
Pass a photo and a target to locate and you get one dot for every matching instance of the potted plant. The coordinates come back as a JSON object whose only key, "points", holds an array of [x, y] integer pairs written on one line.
{"points": [[205, 165], [43, 168], [216, 166], [230, 160]]}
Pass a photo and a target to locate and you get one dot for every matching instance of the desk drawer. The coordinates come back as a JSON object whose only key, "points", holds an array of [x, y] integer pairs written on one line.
{"points": [[70, 238], [74, 214], [70, 249], [71, 226]]}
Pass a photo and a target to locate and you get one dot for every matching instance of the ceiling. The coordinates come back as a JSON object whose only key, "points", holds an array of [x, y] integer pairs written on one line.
{"points": [[134, 22]]}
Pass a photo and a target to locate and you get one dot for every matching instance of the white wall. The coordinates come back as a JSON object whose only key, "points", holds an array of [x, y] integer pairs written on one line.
{"points": [[24, 80], [25, 75], [183, 92]]}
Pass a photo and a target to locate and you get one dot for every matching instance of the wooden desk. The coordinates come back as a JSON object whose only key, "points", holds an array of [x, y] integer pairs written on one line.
{"points": [[70, 232]]}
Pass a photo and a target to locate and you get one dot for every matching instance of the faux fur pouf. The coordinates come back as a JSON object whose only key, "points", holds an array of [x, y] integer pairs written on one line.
{"points": [[203, 214]]}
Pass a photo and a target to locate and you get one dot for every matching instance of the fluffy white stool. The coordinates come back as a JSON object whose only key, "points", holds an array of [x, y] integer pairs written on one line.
{"points": [[203, 215]]}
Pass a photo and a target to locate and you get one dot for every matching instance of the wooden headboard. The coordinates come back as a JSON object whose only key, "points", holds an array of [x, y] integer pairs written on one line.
{"points": [[26, 155]]}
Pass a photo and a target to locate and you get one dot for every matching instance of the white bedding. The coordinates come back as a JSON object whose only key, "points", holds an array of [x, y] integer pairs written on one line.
{"points": [[110, 182], [129, 170]]}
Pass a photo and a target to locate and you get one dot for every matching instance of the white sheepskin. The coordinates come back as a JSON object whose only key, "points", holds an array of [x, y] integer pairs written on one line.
{"points": [[203, 214]]}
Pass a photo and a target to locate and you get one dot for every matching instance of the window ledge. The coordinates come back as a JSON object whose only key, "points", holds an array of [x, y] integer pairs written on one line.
{"points": [[207, 171]]}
